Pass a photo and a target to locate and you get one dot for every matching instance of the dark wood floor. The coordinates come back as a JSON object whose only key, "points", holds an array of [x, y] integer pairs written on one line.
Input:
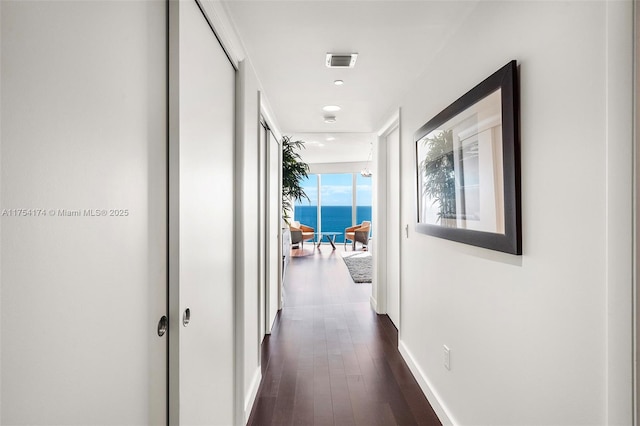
{"points": [[330, 359]]}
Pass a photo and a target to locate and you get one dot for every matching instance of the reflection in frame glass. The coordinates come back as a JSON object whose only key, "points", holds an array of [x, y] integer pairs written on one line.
{"points": [[468, 169]]}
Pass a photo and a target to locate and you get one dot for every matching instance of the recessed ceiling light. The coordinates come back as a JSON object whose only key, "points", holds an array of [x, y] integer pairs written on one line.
{"points": [[329, 118], [331, 138], [331, 108], [338, 82], [321, 144]]}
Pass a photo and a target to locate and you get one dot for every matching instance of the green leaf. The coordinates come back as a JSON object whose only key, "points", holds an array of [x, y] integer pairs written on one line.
{"points": [[293, 171]]}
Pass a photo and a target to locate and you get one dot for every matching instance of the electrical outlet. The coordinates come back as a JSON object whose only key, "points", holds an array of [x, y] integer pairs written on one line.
{"points": [[447, 357]]}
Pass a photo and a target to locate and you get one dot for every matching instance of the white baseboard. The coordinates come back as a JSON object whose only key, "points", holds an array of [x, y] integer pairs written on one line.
{"points": [[251, 395], [374, 303], [441, 410]]}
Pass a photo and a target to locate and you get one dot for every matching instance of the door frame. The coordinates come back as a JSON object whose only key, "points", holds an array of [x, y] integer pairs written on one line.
{"points": [[636, 214], [273, 222], [379, 299], [263, 181], [389, 213], [620, 211], [262, 231]]}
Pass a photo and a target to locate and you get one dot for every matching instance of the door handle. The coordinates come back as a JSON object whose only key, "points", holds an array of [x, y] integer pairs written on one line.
{"points": [[163, 325], [186, 317]]}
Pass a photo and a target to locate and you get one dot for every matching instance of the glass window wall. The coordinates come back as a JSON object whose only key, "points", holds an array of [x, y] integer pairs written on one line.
{"points": [[306, 211], [344, 200], [363, 198]]}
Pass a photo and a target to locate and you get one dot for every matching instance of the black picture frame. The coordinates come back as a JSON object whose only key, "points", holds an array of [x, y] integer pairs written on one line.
{"points": [[446, 207]]}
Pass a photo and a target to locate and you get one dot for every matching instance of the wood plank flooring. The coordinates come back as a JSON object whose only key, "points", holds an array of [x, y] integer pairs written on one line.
{"points": [[330, 359]]}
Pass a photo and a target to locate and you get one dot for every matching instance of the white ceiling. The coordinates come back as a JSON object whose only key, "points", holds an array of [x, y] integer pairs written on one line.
{"points": [[286, 41], [335, 147]]}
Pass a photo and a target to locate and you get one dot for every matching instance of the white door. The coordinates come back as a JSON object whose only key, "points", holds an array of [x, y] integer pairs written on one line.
{"points": [[201, 221], [83, 268], [274, 229], [393, 227]]}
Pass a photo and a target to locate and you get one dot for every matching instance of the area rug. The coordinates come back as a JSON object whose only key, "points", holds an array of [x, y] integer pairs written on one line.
{"points": [[360, 266]]}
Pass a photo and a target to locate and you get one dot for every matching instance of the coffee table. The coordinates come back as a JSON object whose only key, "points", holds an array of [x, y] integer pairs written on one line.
{"points": [[329, 236]]}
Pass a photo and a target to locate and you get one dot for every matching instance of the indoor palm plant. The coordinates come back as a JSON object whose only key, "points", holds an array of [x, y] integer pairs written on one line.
{"points": [[293, 171]]}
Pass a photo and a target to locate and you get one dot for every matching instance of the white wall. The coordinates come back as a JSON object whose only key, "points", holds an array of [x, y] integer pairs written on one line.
{"points": [[528, 335]]}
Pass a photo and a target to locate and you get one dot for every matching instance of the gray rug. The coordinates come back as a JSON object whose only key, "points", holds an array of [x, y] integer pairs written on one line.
{"points": [[360, 266]]}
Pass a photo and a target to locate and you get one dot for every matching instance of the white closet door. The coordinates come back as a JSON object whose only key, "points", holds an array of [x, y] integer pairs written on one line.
{"points": [[202, 222], [274, 229], [393, 227], [83, 140]]}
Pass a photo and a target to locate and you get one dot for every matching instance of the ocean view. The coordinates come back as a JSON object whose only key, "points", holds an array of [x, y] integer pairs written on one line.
{"points": [[334, 218]]}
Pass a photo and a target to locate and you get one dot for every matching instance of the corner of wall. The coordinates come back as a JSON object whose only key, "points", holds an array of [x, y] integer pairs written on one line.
{"points": [[252, 392], [436, 403]]}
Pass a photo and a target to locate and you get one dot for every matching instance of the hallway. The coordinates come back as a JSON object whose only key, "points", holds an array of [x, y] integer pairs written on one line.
{"points": [[331, 360]]}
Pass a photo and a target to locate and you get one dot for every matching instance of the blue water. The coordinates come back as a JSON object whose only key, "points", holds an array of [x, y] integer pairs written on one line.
{"points": [[334, 218]]}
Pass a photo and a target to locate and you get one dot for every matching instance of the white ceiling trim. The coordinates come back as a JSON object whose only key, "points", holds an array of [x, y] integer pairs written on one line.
{"points": [[267, 114], [390, 125], [224, 29]]}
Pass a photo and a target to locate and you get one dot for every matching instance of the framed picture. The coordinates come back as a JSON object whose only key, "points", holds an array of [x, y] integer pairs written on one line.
{"points": [[468, 167]]}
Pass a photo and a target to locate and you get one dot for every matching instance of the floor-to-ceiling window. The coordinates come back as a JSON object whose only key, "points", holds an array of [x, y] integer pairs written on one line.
{"points": [[363, 198], [306, 211], [336, 201], [344, 200]]}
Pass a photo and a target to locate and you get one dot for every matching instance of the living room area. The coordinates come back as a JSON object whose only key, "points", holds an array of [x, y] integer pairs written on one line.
{"points": [[335, 216]]}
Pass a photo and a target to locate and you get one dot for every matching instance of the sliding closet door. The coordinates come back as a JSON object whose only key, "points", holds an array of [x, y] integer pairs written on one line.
{"points": [[84, 212], [202, 95]]}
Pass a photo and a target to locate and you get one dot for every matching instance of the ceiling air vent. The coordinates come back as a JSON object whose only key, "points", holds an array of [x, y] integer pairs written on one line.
{"points": [[341, 60]]}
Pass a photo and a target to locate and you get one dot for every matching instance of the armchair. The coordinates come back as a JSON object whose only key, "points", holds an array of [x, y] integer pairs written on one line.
{"points": [[358, 233], [301, 233]]}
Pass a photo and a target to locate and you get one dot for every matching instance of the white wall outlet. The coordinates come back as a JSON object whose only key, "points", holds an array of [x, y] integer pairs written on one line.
{"points": [[447, 357]]}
